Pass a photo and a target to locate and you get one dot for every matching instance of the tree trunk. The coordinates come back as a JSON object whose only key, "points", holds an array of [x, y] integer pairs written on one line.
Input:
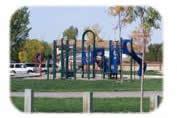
{"points": [[121, 76], [142, 69]]}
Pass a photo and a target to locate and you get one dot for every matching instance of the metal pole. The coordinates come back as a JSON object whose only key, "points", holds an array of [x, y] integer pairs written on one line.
{"points": [[110, 44], [40, 65], [88, 63], [62, 59], [48, 60], [94, 55], [117, 51], [134, 65], [131, 61], [54, 59], [94, 49], [67, 58], [121, 69], [83, 49], [103, 62], [74, 59]]}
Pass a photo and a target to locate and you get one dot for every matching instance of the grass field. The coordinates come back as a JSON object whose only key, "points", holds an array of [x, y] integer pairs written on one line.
{"points": [[84, 85], [75, 104]]}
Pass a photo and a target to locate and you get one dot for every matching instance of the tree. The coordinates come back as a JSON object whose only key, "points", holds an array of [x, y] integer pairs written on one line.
{"points": [[47, 49], [30, 49], [149, 19], [155, 53], [22, 55], [71, 32], [121, 13], [18, 31]]}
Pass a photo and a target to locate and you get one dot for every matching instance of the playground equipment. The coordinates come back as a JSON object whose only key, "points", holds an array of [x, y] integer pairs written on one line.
{"points": [[132, 54], [67, 51], [108, 65], [86, 59]]}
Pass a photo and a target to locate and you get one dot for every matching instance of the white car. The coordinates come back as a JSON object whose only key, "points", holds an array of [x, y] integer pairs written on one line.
{"points": [[20, 68]]}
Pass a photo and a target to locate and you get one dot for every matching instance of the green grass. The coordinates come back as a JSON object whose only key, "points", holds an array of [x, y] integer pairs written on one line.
{"points": [[75, 104], [84, 85]]}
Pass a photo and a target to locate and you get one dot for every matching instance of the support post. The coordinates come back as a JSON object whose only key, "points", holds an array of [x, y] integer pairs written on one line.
{"points": [[62, 59], [94, 55], [103, 64], [88, 63], [67, 58], [117, 52], [94, 50], [83, 49], [154, 102], [110, 56], [48, 60], [87, 102], [134, 68], [28, 100], [131, 61], [74, 59], [54, 59]]}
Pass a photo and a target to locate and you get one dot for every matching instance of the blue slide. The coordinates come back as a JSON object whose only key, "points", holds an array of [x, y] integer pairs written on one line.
{"points": [[132, 54]]}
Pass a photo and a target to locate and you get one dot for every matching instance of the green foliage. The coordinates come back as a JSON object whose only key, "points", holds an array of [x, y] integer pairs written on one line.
{"points": [[71, 32], [47, 49], [149, 17], [155, 53], [152, 19], [22, 55], [18, 31], [31, 48]]}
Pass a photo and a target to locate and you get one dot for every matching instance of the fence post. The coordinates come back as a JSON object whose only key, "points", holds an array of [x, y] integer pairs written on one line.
{"points": [[28, 100], [87, 102], [154, 102]]}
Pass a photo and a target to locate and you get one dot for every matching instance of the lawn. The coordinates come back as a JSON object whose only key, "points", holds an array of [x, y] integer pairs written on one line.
{"points": [[75, 104], [84, 85]]}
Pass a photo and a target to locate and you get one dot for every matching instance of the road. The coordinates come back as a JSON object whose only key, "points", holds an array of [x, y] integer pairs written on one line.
{"points": [[95, 94]]}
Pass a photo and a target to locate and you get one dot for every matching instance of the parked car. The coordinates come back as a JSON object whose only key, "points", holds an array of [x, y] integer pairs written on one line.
{"points": [[43, 68], [20, 68], [32, 66]]}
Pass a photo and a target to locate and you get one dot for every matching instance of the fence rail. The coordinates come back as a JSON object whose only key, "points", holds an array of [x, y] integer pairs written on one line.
{"points": [[87, 97]]}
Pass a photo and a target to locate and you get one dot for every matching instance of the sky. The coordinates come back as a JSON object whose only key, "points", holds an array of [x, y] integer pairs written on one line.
{"points": [[48, 23]]}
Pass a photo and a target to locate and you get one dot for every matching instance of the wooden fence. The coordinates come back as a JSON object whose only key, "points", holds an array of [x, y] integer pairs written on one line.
{"points": [[87, 97]]}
